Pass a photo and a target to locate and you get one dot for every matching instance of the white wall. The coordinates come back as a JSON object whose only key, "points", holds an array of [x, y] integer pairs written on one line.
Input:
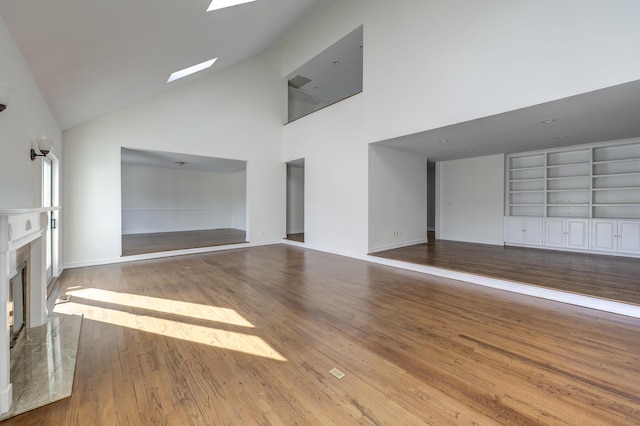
{"points": [[295, 200], [160, 199], [397, 199], [471, 197], [27, 117], [432, 63], [235, 113], [239, 200]]}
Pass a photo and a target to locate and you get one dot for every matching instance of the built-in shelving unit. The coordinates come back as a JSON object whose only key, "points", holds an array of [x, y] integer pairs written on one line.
{"points": [[616, 181], [527, 187], [589, 181]]}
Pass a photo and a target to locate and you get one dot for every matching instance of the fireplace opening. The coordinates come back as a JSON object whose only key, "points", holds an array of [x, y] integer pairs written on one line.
{"points": [[17, 305]]}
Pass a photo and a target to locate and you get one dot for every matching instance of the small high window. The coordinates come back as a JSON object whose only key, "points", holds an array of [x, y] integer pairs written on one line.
{"points": [[331, 76]]}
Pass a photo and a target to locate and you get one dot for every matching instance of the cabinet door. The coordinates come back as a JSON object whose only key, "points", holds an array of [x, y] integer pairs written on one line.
{"points": [[515, 229], [577, 233], [554, 234], [629, 236], [534, 230], [604, 235]]}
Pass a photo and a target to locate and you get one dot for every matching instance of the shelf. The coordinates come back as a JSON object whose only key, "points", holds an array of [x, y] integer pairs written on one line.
{"points": [[626, 160], [568, 204], [554, 166], [568, 177], [616, 174], [569, 190], [518, 169], [591, 181], [525, 180]]}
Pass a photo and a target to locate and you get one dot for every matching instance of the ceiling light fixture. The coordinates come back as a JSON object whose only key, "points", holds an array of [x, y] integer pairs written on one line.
{"points": [[336, 62], [191, 70], [179, 163], [222, 4], [469, 150], [443, 140], [548, 120], [561, 137]]}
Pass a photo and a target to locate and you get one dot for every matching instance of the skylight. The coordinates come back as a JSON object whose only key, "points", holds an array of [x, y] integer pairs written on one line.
{"points": [[221, 4], [192, 69]]}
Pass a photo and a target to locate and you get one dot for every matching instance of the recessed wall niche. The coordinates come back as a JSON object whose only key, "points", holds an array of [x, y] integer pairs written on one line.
{"points": [[176, 201], [329, 77]]}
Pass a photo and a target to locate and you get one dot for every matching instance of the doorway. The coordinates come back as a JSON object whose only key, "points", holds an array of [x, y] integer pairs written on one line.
{"points": [[295, 200], [431, 201]]}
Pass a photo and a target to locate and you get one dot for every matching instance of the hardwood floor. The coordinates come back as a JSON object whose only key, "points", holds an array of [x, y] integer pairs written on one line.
{"points": [[247, 337], [607, 277], [296, 237], [133, 244]]}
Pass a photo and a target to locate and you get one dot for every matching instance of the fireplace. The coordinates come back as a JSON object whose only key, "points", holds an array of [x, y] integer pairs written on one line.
{"points": [[17, 306], [21, 238]]}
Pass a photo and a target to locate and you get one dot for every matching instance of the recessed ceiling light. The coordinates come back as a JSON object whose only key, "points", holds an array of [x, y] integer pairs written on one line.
{"points": [[443, 140], [548, 120], [561, 137], [193, 69], [469, 150], [336, 62], [221, 4]]}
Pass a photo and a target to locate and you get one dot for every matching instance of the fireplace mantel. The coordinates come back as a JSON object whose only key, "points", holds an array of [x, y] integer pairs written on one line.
{"points": [[19, 227]]}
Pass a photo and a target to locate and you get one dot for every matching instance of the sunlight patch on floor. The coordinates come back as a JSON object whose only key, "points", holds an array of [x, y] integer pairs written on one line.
{"points": [[222, 339], [187, 309]]}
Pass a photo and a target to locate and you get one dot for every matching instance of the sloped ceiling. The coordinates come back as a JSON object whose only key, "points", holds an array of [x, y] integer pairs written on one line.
{"points": [[91, 57]]}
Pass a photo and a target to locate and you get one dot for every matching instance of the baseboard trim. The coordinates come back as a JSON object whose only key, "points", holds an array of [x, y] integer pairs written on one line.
{"points": [[397, 245], [6, 397], [163, 254], [472, 241]]}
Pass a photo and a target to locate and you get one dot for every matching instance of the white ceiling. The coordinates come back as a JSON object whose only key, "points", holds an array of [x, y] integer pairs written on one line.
{"points": [[91, 57], [602, 115], [331, 82], [171, 160]]}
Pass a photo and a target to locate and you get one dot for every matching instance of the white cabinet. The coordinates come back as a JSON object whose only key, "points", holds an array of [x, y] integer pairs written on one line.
{"points": [[524, 230], [566, 233], [616, 236], [577, 233]]}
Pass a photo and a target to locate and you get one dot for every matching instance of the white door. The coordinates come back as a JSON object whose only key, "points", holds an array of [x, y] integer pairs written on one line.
{"points": [[554, 233], [515, 230], [534, 230], [577, 233], [604, 235], [629, 236]]}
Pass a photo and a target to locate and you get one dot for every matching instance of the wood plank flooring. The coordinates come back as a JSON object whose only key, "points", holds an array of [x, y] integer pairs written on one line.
{"points": [[247, 337], [133, 244], [608, 277], [296, 237]]}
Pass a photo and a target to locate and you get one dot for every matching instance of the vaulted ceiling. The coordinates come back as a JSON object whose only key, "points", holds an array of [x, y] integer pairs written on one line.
{"points": [[91, 57]]}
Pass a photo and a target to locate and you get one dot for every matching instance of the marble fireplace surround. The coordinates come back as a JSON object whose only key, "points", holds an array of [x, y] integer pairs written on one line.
{"points": [[19, 228]]}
